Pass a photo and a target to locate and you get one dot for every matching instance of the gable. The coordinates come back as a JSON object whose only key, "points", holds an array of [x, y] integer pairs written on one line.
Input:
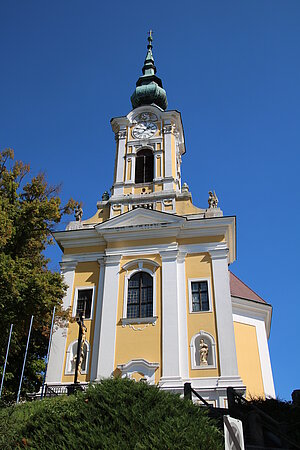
{"points": [[141, 217]]}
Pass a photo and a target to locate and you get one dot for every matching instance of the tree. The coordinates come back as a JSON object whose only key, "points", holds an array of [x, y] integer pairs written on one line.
{"points": [[28, 213]]}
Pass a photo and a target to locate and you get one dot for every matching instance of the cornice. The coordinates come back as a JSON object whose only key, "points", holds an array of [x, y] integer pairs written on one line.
{"points": [[78, 238]]}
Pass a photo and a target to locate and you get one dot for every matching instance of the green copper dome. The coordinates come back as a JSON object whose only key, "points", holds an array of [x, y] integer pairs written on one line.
{"points": [[149, 87]]}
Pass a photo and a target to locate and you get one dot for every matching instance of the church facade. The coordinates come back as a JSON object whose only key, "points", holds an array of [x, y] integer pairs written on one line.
{"points": [[150, 273]]}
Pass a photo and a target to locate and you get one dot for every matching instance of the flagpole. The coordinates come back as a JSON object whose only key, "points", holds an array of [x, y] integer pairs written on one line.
{"points": [[49, 346], [25, 356], [6, 356]]}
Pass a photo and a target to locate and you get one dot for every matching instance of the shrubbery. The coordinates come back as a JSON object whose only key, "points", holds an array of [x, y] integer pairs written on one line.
{"points": [[116, 414]]}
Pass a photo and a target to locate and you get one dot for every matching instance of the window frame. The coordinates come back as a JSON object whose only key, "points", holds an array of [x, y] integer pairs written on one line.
{"points": [[78, 288], [197, 280], [127, 320]]}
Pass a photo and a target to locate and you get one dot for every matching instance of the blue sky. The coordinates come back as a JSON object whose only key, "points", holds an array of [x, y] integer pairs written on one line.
{"points": [[230, 67]]}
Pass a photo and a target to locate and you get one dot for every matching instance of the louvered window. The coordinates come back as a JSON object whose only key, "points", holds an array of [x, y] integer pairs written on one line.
{"points": [[144, 166]]}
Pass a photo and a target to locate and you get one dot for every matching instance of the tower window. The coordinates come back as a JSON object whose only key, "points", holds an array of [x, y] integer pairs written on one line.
{"points": [[140, 296], [144, 166]]}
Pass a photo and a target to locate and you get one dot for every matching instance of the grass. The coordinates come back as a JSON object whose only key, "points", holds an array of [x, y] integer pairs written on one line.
{"points": [[116, 414]]}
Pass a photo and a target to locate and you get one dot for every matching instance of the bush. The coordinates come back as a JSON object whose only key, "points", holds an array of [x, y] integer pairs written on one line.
{"points": [[116, 414]]}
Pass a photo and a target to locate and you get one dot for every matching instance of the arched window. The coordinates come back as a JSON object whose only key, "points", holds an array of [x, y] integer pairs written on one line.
{"points": [[140, 296], [144, 166]]}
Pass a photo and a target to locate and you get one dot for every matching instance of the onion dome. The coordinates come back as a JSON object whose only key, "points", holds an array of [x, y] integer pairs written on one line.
{"points": [[149, 89]]}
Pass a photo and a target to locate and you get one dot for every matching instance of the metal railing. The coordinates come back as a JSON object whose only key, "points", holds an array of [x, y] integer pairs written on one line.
{"points": [[188, 391]]}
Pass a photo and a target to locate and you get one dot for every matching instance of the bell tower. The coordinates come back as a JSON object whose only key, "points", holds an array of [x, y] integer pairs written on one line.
{"points": [[150, 144]]}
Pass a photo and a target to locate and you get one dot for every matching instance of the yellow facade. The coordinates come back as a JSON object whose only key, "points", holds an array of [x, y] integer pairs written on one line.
{"points": [[136, 341], [248, 359], [86, 275], [198, 266]]}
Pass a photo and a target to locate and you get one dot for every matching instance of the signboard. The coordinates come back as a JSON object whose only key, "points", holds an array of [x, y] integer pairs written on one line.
{"points": [[233, 434]]}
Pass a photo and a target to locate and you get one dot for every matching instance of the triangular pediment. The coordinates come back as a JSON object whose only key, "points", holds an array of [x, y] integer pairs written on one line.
{"points": [[140, 217]]}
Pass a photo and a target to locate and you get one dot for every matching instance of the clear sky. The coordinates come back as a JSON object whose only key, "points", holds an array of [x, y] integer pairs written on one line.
{"points": [[230, 67]]}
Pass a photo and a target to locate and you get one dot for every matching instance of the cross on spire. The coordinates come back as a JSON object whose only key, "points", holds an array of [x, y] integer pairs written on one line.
{"points": [[150, 38]]}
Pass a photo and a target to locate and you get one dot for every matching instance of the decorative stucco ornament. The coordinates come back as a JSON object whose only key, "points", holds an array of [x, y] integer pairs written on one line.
{"points": [[149, 89]]}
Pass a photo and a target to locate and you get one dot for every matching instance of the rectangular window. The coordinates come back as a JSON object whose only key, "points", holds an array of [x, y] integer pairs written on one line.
{"points": [[200, 300], [84, 302]]}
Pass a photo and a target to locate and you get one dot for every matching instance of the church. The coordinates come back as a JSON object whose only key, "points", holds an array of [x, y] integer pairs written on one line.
{"points": [[150, 273]]}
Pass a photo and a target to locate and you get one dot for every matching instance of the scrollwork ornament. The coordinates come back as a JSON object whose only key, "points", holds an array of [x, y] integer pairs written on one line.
{"points": [[169, 129], [120, 135]]}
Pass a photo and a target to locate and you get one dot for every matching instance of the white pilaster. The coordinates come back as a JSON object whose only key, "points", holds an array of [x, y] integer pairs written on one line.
{"points": [[170, 318], [106, 356], [57, 352], [97, 330], [168, 149], [183, 334], [223, 308], [121, 139]]}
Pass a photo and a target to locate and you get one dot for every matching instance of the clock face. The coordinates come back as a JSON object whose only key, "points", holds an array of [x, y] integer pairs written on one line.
{"points": [[144, 130]]}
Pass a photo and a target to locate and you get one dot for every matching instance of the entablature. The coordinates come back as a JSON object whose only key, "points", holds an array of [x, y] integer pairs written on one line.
{"points": [[146, 224]]}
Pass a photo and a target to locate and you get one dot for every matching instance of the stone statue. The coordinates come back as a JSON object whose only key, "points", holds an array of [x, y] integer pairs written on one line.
{"points": [[78, 213], [212, 200], [105, 196], [185, 188], [203, 350]]}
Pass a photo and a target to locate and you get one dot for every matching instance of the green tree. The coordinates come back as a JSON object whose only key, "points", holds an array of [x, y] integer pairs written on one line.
{"points": [[29, 210]]}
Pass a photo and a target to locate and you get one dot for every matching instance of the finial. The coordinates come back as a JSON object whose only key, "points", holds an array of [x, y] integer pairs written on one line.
{"points": [[150, 38]]}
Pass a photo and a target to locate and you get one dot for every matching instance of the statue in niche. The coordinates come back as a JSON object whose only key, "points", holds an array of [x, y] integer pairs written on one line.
{"points": [[212, 200], [203, 350]]}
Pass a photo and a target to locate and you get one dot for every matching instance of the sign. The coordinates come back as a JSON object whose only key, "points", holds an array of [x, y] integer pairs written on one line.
{"points": [[233, 434]]}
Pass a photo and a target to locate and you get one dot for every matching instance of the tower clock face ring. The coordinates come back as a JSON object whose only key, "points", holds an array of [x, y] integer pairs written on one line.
{"points": [[144, 130]]}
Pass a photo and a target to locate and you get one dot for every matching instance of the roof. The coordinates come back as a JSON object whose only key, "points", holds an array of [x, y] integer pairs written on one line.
{"points": [[239, 289]]}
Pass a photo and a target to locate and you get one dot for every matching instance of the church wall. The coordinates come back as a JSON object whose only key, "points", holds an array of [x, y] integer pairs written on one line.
{"points": [[248, 359], [86, 275], [101, 215], [139, 341], [186, 207], [198, 266]]}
